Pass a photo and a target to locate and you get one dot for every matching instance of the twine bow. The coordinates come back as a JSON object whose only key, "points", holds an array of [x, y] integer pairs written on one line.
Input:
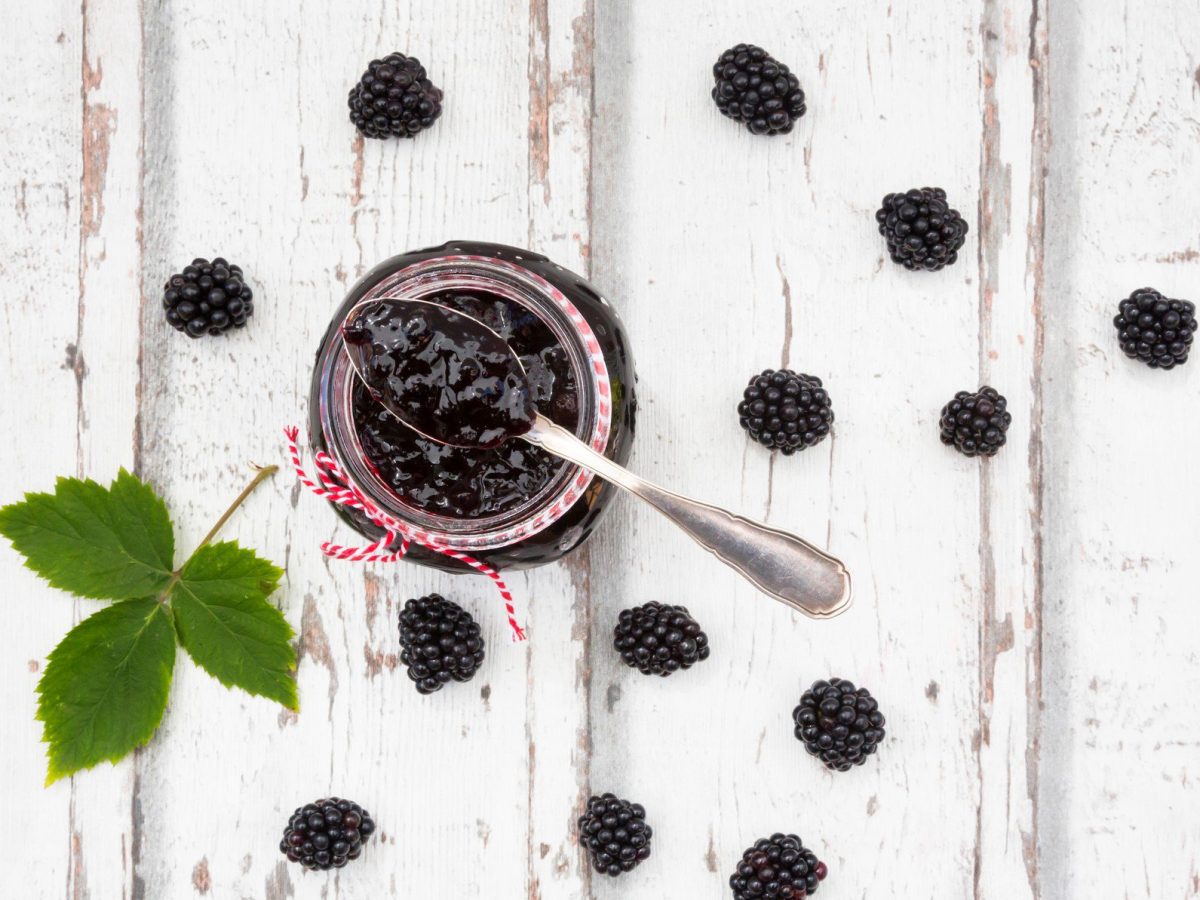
{"points": [[337, 488]]}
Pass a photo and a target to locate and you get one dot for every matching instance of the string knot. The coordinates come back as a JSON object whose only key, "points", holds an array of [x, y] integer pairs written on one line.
{"points": [[333, 485]]}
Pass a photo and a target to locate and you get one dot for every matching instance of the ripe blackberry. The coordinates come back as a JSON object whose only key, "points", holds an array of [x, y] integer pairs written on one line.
{"points": [[440, 641], [207, 298], [326, 834], [975, 424], [780, 868], [657, 639], [394, 98], [785, 410], [921, 229], [1156, 329], [838, 723], [615, 834], [758, 90]]}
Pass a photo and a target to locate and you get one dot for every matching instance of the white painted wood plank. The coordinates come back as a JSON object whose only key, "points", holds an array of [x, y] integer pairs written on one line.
{"points": [[40, 162], [558, 721], [740, 253], [105, 842], [1119, 797], [81, 166], [447, 777], [1011, 296]]}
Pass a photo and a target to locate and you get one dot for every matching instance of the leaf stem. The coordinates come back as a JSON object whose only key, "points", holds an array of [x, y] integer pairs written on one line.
{"points": [[263, 474]]}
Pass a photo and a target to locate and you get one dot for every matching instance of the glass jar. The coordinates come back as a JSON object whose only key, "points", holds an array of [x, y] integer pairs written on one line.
{"points": [[590, 352]]}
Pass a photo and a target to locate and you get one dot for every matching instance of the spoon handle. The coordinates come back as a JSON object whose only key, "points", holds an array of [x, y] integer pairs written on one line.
{"points": [[777, 563]]}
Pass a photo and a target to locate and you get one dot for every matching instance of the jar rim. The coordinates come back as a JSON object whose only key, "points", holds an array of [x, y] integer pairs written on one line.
{"points": [[525, 287]]}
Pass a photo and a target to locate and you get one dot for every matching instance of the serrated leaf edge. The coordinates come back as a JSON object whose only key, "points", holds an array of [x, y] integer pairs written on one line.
{"points": [[71, 533], [268, 586], [55, 773], [292, 701]]}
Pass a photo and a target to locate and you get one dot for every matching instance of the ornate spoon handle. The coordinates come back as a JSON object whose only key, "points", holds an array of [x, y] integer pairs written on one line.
{"points": [[777, 563]]}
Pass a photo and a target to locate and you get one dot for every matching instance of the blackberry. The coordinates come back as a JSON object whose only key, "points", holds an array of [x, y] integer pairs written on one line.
{"points": [[1156, 329], [326, 834], [207, 298], [779, 867], [394, 98], [657, 639], [758, 90], [975, 424], [838, 723], [786, 411], [921, 229], [615, 834], [440, 642]]}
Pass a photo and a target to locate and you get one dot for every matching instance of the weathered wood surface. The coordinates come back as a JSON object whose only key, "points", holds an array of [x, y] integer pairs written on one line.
{"points": [[1028, 623]]}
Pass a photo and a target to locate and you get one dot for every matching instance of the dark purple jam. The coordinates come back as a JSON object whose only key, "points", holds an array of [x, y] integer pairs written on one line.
{"points": [[418, 361], [441, 372]]}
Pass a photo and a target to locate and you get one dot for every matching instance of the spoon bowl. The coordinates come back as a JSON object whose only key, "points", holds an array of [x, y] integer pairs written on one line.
{"points": [[443, 373]]}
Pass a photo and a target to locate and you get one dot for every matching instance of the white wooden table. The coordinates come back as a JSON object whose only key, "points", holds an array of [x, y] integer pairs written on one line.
{"points": [[1029, 624]]}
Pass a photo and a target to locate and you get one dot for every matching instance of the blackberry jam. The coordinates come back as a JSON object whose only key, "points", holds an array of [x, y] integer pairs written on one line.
{"points": [[463, 483], [513, 506], [446, 374]]}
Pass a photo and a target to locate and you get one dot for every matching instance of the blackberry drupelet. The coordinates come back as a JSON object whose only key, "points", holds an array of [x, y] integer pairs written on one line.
{"points": [[975, 424], [756, 89], [207, 298], [657, 639], [1156, 329], [440, 642], [394, 98], [615, 834], [786, 411], [326, 834], [838, 723], [779, 868], [921, 229]]}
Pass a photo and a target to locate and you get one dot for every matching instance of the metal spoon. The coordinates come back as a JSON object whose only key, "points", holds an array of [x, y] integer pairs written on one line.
{"points": [[779, 564]]}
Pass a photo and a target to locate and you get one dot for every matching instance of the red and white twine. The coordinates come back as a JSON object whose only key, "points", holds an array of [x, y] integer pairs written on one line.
{"points": [[337, 488]]}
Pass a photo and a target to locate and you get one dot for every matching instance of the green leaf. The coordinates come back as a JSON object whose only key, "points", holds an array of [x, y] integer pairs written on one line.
{"points": [[225, 622], [112, 543], [105, 686]]}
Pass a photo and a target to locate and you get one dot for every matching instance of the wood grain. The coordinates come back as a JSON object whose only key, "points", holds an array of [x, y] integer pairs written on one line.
{"points": [[1025, 622], [40, 175], [751, 256], [1119, 741]]}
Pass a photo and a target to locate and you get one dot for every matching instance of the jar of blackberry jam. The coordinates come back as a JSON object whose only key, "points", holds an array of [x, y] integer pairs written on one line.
{"points": [[514, 506]]}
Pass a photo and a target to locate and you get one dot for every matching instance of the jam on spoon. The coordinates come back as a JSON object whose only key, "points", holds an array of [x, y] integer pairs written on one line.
{"points": [[443, 373], [460, 482]]}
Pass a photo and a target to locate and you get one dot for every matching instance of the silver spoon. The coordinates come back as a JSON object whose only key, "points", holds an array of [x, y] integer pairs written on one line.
{"points": [[779, 564]]}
